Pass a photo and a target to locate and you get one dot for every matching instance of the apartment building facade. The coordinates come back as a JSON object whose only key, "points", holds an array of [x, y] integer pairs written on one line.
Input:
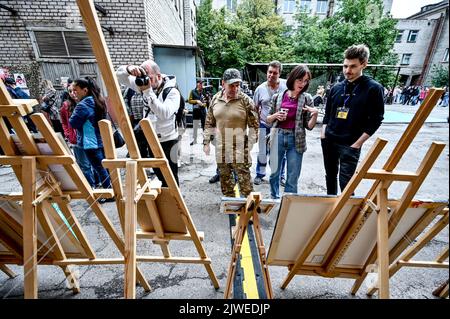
{"points": [[288, 8], [423, 42]]}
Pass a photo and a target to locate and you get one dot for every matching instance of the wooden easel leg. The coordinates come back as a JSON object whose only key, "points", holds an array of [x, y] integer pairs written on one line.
{"points": [[130, 231], [357, 284], [383, 243], [262, 256], [234, 258], [72, 279], [29, 228], [442, 290], [7, 271], [199, 246]]}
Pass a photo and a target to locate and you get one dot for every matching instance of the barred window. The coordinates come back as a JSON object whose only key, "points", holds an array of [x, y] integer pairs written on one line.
{"points": [[51, 44]]}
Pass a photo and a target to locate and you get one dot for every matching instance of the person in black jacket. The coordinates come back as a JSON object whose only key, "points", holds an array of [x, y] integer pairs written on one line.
{"points": [[354, 111]]}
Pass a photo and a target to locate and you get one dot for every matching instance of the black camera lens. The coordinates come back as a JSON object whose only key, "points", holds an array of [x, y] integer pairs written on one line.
{"points": [[142, 80]]}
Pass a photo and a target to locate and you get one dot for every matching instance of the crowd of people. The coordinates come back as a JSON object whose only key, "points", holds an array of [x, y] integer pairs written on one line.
{"points": [[276, 116], [412, 95]]}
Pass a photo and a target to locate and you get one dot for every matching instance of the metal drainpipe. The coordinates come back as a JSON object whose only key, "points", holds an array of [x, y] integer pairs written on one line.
{"points": [[432, 47]]}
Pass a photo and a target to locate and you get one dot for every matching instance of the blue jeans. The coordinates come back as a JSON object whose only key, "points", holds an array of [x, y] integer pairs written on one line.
{"points": [[264, 151], [95, 157], [85, 165], [285, 146]]}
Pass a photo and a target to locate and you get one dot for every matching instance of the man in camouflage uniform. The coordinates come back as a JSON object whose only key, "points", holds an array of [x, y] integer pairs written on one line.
{"points": [[230, 114]]}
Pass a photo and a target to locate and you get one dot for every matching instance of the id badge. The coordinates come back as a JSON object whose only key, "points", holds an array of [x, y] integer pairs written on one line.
{"points": [[342, 113]]}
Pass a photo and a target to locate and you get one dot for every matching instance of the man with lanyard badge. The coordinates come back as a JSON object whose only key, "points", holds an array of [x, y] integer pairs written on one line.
{"points": [[353, 113]]}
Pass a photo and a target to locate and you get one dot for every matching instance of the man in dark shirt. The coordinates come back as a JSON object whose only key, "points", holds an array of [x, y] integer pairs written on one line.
{"points": [[353, 113], [198, 100]]}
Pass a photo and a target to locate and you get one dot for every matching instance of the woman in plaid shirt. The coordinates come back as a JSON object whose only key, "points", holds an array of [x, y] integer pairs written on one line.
{"points": [[293, 112]]}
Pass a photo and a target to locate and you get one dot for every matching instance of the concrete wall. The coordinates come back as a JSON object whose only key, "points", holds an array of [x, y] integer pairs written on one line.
{"points": [[438, 55], [179, 62], [426, 23], [419, 48]]}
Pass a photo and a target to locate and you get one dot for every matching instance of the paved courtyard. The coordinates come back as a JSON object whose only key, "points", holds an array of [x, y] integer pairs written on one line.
{"points": [[203, 201]]}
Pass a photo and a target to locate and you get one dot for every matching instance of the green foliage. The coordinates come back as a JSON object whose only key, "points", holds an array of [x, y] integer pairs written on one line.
{"points": [[263, 30], [257, 34], [310, 40], [254, 33], [439, 77], [219, 39]]}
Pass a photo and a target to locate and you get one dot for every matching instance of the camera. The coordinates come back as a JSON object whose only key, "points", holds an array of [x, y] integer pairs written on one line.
{"points": [[142, 80]]}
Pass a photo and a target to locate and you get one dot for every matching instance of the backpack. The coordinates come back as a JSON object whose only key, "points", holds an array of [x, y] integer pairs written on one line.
{"points": [[180, 116]]}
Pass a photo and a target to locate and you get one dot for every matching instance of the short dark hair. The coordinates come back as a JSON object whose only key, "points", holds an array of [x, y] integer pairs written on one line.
{"points": [[360, 52], [199, 81], [298, 73], [276, 64]]}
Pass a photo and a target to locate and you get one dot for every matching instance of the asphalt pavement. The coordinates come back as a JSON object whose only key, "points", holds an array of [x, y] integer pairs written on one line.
{"points": [[183, 281]]}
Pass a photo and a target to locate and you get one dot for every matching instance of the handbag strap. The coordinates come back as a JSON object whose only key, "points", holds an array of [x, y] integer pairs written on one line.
{"points": [[110, 118]]}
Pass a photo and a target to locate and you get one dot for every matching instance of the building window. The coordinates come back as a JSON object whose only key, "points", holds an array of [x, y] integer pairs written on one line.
{"points": [[399, 36], [69, 44], [406, 59], [412, 36], [322, 7], [289, 6], [445, 56], [231, 5], [305, 6]]}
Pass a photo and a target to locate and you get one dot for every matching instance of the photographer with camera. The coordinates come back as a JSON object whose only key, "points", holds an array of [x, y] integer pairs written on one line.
{"points": [[199, 103], [161, 103]]}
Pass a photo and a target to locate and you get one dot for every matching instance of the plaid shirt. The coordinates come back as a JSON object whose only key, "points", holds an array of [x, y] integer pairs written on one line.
{"points": [[137, 106], [301, 121]]}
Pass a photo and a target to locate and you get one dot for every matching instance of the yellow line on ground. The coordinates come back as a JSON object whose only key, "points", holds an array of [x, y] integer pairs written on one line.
{"points": [[249, 283]]}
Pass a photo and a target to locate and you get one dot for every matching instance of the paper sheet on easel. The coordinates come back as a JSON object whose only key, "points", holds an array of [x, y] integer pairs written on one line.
{"points": [[59, 171]]}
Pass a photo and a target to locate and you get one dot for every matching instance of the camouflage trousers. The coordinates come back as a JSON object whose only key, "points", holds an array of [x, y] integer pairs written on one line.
{"points": [[228, 182]]}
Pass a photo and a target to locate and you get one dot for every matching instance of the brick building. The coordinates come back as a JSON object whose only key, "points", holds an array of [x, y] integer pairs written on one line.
{"points": [[47, 39]]}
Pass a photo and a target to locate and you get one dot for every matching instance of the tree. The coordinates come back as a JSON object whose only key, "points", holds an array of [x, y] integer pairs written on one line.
{"points": [[439, 77], [262, 40], [355, 22], [254, 34], [218, 38], [310, 40]]}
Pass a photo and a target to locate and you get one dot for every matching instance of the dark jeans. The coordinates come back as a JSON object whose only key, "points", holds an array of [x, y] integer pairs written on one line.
{"points": [[335, 155], [199, 113], [95, 157], [85, 165], [170, 149]]}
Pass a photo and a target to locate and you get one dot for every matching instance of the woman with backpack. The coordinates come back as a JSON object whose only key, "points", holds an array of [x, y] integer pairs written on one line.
{"points": [[90, 109]]}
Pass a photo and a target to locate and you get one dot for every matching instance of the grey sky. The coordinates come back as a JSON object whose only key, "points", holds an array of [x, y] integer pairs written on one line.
{"points": [[405, 8]]}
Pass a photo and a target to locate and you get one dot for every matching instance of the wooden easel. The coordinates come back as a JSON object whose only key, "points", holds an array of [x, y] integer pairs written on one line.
{"points": [[375, 201], [248, 212], [40, 191], [405, 260], [139, 192]]}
